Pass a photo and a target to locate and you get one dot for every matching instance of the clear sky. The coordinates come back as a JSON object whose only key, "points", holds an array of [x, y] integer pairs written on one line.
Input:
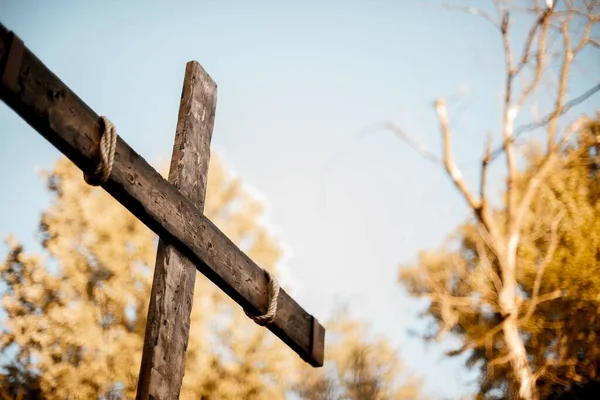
{"points": [[296, 81]]}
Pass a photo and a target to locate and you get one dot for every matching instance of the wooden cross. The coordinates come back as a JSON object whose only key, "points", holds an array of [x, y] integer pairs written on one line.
{"points": [[173, 209]]}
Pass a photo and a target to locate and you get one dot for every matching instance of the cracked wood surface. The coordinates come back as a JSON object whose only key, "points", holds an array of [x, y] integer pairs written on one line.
{"points": [[59, 115], [168, 324]]}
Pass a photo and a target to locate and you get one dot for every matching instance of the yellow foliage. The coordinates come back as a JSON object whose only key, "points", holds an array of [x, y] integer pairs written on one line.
{"points": [[76, 319], [557, 272]]}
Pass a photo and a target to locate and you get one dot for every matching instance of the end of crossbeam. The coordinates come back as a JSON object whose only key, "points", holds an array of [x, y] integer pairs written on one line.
{"points": [[317, 355], [11, 53]]}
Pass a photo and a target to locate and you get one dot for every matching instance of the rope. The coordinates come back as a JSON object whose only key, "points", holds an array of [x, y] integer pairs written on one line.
{"points": [[269, 316], [106, 154]]}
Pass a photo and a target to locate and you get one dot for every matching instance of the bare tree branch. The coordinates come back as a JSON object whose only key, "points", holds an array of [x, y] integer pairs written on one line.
{"points": [[451, 168], [539, 60], [509, 114], [500, 360], [418, 147], [539, 22], [477, 206], [535, 298], [548, 296], [485, 161], [585, 37], [532, 186], [552, 377], [562, 82], [492, 241], [491, 272], [545, 120], [569, 54], [475, 343], [473, 11]]}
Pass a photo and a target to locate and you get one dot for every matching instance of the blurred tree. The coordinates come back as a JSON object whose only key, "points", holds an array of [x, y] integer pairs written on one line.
{"points": [[559, 261], [356, 368], [75, 320], [78, 318], [553, 37]]}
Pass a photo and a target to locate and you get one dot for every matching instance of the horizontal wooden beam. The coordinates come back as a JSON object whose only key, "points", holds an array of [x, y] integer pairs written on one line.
{"points": [[52, 109]]}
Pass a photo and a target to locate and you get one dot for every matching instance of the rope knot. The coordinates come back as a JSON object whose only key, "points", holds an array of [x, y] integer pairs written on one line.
{"points": [[105, 156], [271, 313]]}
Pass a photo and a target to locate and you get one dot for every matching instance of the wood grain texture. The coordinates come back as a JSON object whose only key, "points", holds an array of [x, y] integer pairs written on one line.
{"points": [[54, 111], [168, 324]]}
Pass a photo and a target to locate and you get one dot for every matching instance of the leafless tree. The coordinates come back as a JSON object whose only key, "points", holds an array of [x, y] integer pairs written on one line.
{"points": [[560, 31]]}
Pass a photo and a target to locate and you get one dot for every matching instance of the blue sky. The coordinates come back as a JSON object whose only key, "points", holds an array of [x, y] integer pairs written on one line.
{"points": [[296, 82]]}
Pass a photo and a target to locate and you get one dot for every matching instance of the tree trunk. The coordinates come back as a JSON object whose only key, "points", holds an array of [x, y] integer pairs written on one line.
{"points": [[514, 342], [519, 362]]}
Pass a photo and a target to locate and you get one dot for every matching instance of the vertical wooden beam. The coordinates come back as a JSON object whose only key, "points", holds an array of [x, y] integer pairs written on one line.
{"points": [[167, 329]]}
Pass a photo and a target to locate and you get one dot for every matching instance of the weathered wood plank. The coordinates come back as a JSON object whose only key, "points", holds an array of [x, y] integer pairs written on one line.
{"points": [[59, 115], [168, 324]]}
